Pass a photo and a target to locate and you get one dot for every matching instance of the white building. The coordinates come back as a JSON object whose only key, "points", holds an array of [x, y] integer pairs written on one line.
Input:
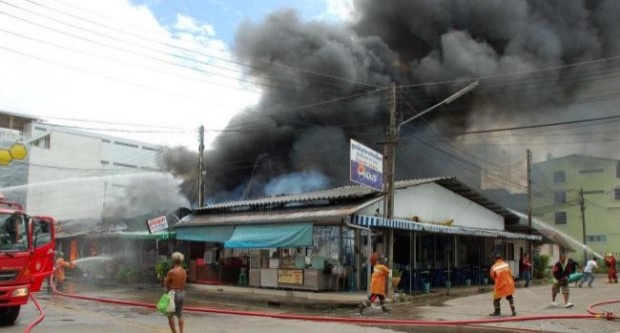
{"points": [[72, 173]]}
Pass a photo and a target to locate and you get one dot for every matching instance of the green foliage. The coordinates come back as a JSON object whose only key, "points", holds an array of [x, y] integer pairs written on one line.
{"points": [[396, 272], [127, 274], [162, 267], [541, 267]]}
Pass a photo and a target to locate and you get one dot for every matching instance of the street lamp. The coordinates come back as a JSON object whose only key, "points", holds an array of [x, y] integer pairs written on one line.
{"points": [[448, 100]]}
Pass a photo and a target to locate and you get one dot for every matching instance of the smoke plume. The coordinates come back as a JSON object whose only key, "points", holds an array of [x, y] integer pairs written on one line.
{"points": [[504, 44]]}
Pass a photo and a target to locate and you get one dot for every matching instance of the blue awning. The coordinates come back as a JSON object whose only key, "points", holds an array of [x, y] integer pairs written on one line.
{"points": [[380, 222], [216, 234], [271, 235]]}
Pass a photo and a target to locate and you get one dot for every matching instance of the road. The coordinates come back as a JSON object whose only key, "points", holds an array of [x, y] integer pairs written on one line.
{"points": [[69, 315], [65, 315]]}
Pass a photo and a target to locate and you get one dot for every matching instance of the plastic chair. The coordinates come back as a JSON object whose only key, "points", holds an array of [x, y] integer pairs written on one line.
{"points": [[243, 278]]}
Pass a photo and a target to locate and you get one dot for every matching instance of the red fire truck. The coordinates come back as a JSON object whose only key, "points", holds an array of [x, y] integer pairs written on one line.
{"points": [[27, 246]]}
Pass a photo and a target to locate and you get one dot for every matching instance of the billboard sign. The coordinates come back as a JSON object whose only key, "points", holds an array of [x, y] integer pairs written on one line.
{"points": [[157, 224], [366, 166]]}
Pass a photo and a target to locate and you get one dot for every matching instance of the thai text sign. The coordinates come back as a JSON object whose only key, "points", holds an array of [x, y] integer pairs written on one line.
{"points": [[291, 276], [366, 166], [157, 224]]}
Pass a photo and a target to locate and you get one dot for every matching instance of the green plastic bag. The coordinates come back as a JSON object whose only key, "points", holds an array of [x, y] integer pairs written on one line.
{"points": [[162, 305]]}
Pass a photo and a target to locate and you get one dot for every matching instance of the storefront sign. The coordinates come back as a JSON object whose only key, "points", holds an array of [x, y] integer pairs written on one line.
{"points": [[366, 166], [291, 276], [157, 224]]}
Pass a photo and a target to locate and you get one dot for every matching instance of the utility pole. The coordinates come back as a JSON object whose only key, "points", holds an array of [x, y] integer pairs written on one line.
{"points": [[582, 207], [530, 247], [201, 148], [390, 170]]}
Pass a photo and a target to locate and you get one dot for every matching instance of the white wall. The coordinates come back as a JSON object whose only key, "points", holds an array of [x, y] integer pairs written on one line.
{"points": [[56, 178], [81, 170], [431, 202]]}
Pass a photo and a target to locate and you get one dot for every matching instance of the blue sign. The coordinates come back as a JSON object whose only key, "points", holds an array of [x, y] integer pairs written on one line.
{"points": [[366, 166]]}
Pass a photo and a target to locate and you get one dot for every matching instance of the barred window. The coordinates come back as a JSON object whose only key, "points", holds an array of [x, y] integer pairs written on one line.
{"points": [[560, 217]]}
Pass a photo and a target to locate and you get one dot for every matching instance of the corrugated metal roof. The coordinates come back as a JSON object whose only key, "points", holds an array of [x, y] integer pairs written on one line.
{"points": [[344, 192], [356, 192], [324, 214]]}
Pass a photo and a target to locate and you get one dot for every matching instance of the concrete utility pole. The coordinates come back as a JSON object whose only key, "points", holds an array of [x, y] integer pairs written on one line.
{"points": [[582, 207], [201, 148], [390, 169], [530, 247]]}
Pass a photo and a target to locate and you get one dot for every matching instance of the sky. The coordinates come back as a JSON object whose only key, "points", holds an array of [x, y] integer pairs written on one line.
{"points": [[150, 70]]}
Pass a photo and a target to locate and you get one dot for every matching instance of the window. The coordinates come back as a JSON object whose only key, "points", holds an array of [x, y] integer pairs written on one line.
{"points": [[596, 238], [591, 171], [125, 165], [126, 144], [617, 194], [105, 162], [559, 197], [594, 192], [105, 140], [559, 177], [560, 217], [149, 148], [42, 232]]}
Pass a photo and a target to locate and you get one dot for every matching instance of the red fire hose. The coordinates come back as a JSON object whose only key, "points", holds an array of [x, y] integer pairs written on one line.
{"points": [[38, 319], [369, 321]]}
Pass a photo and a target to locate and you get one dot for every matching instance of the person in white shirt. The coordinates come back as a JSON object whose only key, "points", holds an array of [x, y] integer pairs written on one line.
{"points": [[587, 272]]}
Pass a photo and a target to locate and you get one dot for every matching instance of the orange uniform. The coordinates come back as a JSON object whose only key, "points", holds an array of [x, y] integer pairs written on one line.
{"points": [[59, 273], [379, 275], [504, 283]]}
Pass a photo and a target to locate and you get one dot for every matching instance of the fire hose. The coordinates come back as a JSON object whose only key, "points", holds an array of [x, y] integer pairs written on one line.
{"points": [[38, 319], [592, 314]]}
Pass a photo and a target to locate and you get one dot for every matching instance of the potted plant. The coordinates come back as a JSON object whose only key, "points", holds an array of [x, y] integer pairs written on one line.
{"points": [[396, 276]]}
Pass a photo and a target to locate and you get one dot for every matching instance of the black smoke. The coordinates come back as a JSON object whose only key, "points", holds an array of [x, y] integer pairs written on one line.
{"points": [[412, 43]]}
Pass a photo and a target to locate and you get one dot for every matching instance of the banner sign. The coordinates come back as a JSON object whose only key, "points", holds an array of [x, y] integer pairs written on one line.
{"points": [[157, 224], [366, 166], [291, 276]]}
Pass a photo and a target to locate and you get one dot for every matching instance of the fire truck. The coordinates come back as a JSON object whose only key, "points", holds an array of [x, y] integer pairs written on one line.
{"points": [[27, 246]]}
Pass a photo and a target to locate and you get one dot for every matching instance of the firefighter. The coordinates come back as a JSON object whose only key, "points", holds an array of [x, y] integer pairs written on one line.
{"points": [[59, 271], [610, 262], [377, 286], [504, 284]]}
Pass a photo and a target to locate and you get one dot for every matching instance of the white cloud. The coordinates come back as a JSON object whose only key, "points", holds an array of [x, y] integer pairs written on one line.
{"points": [[187, 23], [125, 69], [340, 9]]}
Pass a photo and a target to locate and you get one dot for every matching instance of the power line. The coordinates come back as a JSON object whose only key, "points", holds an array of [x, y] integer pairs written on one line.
{"points": [[203, 54]]}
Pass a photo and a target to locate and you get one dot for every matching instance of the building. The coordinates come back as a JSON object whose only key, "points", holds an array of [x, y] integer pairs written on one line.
{"points": [[445, 233], [70, 173], [563, 186]]}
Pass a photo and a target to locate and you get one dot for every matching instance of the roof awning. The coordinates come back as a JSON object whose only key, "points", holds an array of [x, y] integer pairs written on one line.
{"points": [[327, 215], [380, 222], [216, 233], [270, 236], [134, 235]]}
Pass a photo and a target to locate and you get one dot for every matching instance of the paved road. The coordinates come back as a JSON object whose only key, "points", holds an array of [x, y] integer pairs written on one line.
{"points": [[69, 315]]}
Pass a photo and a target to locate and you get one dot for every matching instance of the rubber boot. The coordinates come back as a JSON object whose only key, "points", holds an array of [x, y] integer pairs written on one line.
{"points": [[497, 311], [512, 305], [363, 306], [383, 307]]}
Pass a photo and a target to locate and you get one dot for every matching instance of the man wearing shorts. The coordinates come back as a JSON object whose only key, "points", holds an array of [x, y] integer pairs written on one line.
{"points": [[561, 271], [175, 280]]}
